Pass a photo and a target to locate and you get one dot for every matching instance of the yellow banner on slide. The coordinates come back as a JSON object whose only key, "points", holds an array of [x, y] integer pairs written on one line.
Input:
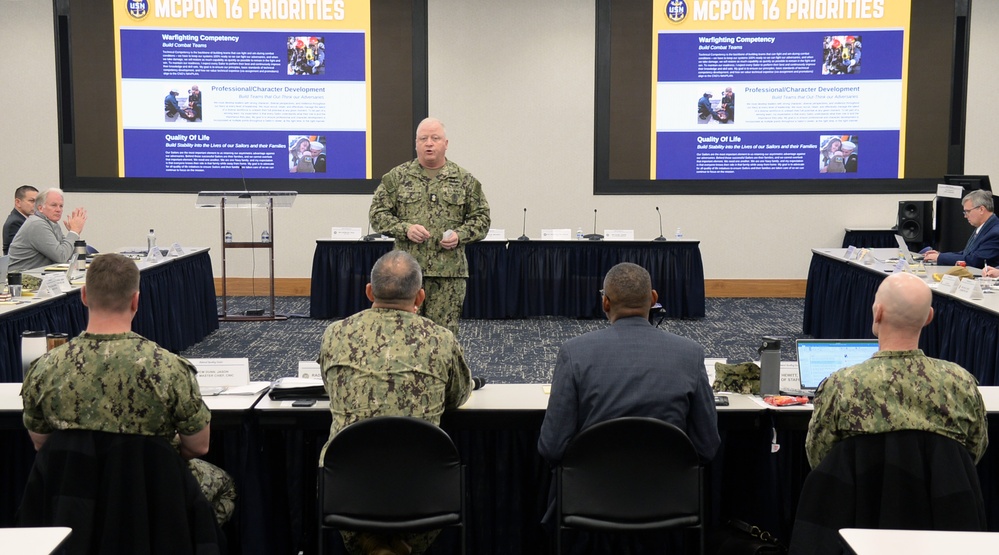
{"points": [[778, 15], [263, 15]]}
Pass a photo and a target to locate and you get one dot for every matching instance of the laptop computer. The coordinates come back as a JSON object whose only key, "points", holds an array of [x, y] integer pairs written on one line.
{"points": [[904, 251], [818, 358]]}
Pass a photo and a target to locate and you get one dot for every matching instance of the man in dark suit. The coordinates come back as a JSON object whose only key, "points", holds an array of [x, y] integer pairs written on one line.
{"points": [[629, 369], [983, 246]]}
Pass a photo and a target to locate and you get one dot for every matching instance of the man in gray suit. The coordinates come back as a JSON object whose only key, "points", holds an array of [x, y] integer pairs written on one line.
{"points": [[629, 369]]}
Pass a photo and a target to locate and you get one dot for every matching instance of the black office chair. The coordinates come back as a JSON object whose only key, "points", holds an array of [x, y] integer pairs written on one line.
{"points": [[908, 480], [120, 493], [391, 474], [630, 475]]}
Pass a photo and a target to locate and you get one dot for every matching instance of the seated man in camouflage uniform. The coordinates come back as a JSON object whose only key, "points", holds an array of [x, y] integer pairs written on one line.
{"points": [[899, 388], [109, 379], [390, 361]]}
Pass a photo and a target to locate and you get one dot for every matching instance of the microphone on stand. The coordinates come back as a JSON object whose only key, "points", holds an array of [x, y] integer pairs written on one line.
{"points": [[370, 236], [661, 236], [594, 236], [523, 234]]}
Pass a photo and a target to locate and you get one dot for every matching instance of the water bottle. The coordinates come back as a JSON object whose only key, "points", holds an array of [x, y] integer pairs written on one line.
{"points": [[80, 257], [150, 241], [769, 353], [33, 345], [579, 234], [228, 236], [265, 236], [679, 233]]}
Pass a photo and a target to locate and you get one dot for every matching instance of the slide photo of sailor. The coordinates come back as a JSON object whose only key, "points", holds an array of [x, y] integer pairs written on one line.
{"points": [[719, 110], [838, 153], [306, 55], [188, 108], [841, 55], [307, 154]]}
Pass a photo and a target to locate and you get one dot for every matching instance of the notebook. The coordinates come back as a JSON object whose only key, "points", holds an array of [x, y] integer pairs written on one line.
{"points": [[818, 358]]}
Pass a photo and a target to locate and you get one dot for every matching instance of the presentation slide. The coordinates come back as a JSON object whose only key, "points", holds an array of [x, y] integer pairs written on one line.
{"points": [[779, 89], [243, 88]]}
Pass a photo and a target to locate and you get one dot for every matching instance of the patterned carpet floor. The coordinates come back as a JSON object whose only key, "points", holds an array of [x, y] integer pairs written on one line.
{"points": [[502, 351]]}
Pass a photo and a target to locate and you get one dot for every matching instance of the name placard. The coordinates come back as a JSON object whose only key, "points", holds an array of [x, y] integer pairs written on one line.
{"points": [[346, 233], [851, 253], [176, 250], [495, 235], [222, 372], [950, 191], [52, 285], [556, 234], [969, 289], [619, 234], [949, 283], [310, 370], [155, 255], [900, 267]]}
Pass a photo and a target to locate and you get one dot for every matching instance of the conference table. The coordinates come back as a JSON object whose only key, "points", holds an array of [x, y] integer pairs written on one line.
{"points": [[522, 279], [33, 541], [860, 541], [272, 451], [176, 309], [840, 292]]}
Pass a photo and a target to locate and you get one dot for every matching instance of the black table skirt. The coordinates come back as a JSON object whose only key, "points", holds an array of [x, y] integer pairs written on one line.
{"points": [[522, 279], [64, 314], [838, 301], [870, 238], [274, 458], [176, 309]]}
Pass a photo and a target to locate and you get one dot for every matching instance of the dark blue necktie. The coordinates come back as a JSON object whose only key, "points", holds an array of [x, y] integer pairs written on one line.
{"points": [[971, 241]]}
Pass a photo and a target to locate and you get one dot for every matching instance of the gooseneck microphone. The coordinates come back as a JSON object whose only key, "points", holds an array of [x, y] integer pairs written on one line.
{"points": [[478, 383], [523, 232], [661, 236], [594, 236]]}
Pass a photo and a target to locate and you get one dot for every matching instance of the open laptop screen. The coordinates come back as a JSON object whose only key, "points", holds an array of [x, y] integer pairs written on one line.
{"points": [[903, 249], [818, 358]]}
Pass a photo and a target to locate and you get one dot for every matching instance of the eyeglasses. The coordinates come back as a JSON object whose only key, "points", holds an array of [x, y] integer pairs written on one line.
{"points": [[970, 209], [425, 139]]}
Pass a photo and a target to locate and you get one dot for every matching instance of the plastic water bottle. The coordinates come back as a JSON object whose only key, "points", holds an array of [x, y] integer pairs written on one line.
{"points": [[265, 236], [579, 234], [679, 233], [228, 236], [150, 241]]}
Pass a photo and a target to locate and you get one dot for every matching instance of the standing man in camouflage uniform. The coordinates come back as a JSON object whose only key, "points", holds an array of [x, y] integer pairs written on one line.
{"points": [[899, 388], [390, 361], [109, 379], [433, 207]]}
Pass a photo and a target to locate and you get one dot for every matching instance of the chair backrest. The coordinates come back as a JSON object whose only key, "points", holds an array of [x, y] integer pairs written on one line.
{"points": [[120, 493], [393, 468], [630, 472], [909, 479]]}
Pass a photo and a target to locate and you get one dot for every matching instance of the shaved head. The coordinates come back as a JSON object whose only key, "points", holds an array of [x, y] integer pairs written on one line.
{"points": [[904, 302]]}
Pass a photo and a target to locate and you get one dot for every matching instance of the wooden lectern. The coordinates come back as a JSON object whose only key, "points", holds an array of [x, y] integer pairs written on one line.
{"points": [[247, 199]]}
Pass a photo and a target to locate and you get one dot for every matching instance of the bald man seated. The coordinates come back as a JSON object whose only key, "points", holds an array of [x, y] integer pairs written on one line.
{"points": [[899, 388]]}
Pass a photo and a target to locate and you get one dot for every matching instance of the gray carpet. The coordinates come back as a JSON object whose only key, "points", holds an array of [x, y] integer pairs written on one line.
{"points": [[502, 351]]}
